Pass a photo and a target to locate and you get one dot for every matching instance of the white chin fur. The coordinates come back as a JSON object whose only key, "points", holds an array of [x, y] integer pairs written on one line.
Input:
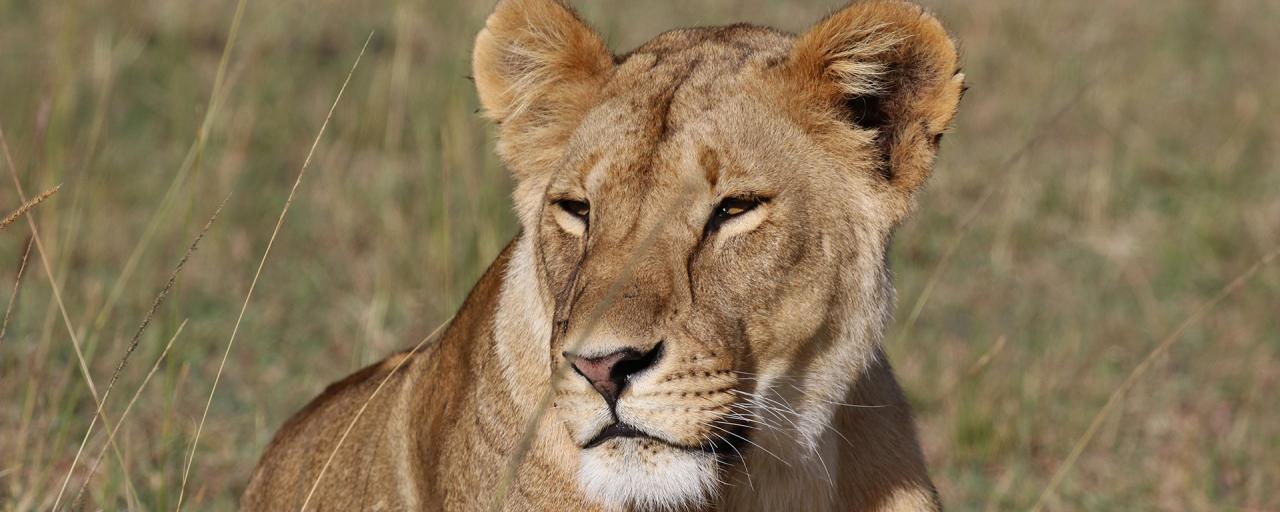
{"points": [[630, 477]]}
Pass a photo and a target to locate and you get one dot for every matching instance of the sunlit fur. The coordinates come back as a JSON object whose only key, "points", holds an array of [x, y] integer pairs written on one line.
{"points": [[772, 391]]}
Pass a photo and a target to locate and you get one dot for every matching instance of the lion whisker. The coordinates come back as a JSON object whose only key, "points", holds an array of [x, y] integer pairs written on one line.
{"points": [[735, 424], [752, 443], [745, 470], [781, 411], [809, 394], [754, 417]]}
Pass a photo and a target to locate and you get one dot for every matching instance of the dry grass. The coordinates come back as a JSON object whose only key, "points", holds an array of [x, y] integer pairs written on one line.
{"points": [[275, 232], [31, 203], [1031, 288], [17, 286]]}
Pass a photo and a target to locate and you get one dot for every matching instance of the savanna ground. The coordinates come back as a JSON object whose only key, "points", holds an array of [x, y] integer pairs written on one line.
{"points": [[1114, 165]]}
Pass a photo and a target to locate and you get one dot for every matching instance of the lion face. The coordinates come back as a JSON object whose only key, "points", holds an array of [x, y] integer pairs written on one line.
{"points": [[680, 235], [710, 216]]}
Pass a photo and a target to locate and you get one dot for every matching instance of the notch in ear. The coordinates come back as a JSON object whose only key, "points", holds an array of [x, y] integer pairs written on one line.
{"points": [[889, 67], [537, 66]]}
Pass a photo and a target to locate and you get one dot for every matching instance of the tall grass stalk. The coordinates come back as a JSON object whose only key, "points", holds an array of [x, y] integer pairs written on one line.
{"points": [[55, 289], [1138, 371], [13, 295], [133, 344], [217, 95], [97, 459], [186, 472]]}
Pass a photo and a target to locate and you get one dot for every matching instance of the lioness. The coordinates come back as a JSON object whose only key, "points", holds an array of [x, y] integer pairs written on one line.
{"points": [[699, 286]]}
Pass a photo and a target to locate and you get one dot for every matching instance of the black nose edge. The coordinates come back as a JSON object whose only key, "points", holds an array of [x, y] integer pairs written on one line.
{"points": [[609, 373]]}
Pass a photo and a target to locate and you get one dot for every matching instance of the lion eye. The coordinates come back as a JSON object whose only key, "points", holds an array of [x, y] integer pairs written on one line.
{"points": [[579, 209], [735, 206], [732, 207]]}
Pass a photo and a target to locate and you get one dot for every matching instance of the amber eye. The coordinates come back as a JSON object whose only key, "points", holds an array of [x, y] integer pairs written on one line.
{"points": [[732, 207], [579, 209]]}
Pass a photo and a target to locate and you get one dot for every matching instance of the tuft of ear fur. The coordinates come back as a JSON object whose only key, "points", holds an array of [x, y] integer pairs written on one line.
{"points": [[887, 66], [537, 66]]}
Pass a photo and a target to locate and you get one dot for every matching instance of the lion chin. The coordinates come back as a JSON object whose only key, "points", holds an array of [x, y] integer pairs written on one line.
{"points": [[643, 474]]}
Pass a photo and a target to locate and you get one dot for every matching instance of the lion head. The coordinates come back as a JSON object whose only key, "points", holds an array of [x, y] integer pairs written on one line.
{"points": [[705, 227]]}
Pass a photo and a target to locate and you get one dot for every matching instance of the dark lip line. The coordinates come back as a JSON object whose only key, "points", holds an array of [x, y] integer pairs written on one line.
{"points": [[624, 430], [619, 429]]}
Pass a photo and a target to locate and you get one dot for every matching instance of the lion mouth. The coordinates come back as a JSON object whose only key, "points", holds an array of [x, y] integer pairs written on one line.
{"points": [[622, 430]]}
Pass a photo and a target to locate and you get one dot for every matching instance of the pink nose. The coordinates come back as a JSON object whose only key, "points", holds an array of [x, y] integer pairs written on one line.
{"points": [[609, 373]]}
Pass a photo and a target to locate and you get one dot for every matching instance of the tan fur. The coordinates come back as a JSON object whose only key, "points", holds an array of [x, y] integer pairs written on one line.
{"points": [[771, 391]]}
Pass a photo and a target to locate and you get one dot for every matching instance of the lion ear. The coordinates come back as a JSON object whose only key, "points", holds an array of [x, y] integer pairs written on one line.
{"points": [[887, 66], [536, 67]]}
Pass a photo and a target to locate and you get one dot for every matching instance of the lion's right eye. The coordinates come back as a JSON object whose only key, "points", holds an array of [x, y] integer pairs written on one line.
{"points": [[731, 208], [579, 209]]}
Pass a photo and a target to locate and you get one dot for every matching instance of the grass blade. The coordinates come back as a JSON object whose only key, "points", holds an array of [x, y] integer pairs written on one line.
{"points": [[133, 343], [93, 468], [17, 284], [57, 294], [1201, 310], [186, 472]]}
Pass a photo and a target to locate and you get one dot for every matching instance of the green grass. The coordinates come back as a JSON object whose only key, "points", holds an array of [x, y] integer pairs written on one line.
{"points": [[1158, 184]]}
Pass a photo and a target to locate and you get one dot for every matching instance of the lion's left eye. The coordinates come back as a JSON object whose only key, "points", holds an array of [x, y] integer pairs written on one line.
{"points": [[732, 207], [578, 209]]}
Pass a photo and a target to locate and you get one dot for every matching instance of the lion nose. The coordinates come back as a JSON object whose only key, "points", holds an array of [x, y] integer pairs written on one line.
{"points": [[609, 373]]}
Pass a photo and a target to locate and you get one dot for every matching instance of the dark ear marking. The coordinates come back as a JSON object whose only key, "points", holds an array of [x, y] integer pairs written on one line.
{"points": [[869, 113], [866, 111]]}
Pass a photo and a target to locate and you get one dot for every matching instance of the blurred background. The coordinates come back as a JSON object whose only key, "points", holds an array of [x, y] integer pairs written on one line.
{"points": [[1113, 166]]}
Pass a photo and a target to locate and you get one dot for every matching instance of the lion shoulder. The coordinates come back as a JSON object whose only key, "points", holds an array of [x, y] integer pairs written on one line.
{"points": [[326, 436]]}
